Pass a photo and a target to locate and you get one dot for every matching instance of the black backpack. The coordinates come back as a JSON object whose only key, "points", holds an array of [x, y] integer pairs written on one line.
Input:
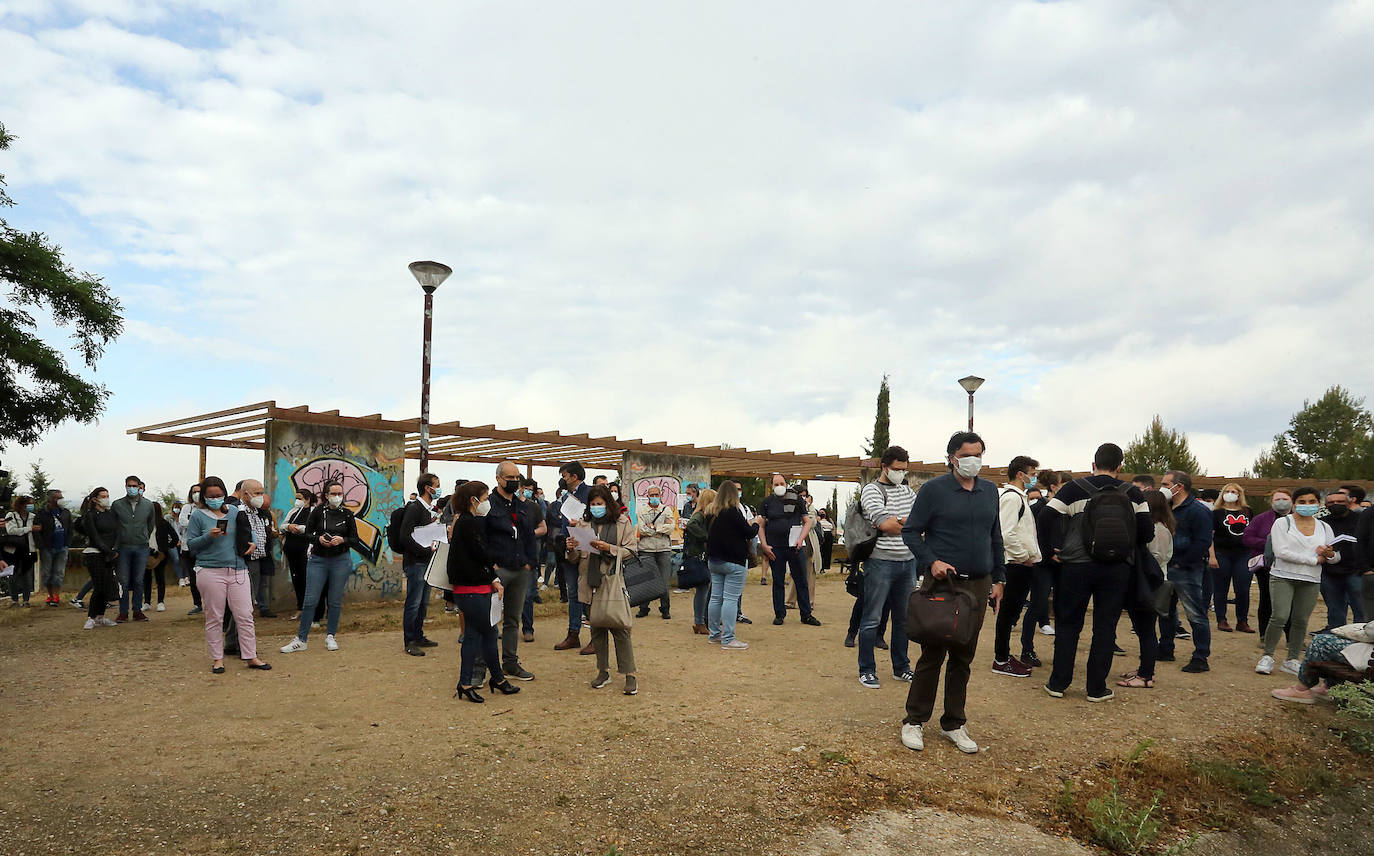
{"points": [[1109, 523], [394, 539]]}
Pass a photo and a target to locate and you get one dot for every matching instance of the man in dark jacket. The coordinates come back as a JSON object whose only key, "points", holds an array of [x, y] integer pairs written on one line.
{"points": [[1187, 570], [52, 533], [1342, 582], [137, 519], [508, 539], [415, 562]]}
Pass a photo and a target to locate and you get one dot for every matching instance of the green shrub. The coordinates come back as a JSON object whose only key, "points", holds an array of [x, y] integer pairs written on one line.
{"points": [[1122, 825]]}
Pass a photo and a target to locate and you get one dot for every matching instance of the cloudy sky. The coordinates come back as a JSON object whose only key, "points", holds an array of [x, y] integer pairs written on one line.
{"points": [[709, 221]]}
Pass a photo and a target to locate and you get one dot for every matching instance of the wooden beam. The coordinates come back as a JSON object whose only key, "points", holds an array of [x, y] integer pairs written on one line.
{"points": [[204, 441], [202, 417]]}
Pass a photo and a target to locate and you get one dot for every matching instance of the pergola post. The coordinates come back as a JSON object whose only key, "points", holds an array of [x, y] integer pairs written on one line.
{"points": [[202, 462]]}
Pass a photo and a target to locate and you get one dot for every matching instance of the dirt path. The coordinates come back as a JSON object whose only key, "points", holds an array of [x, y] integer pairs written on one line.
{"points": [[122, 738]]}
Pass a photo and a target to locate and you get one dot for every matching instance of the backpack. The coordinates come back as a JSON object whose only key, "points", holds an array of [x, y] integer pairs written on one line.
{"points": [[860, 536], [394, 539], [1108, 523], [1022, 512]]}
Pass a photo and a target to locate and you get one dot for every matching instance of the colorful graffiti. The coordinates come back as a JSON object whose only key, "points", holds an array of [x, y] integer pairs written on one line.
{"points": [[371, 467], [670, 474]]}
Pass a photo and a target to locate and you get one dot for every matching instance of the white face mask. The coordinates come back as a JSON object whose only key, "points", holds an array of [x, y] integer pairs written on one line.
{"points": [[483, 508], [780, 490], [1231, 497], [299, 503], [968, 467], [256, 501], [195, 496], [103, 502], [335, 501], [896, 476]]}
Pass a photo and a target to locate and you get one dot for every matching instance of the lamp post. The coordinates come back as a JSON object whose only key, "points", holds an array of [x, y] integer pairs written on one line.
{"points": [[970, 385], [430, 275]]}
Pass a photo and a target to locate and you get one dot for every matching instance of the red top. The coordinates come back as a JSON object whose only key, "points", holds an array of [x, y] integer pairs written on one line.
{"points": [[482, 589]]}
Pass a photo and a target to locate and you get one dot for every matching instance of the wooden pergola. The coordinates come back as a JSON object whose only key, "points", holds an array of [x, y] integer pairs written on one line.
{"points": [[246, 428]]}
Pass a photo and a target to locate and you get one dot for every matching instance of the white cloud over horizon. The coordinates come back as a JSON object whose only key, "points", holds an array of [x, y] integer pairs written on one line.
{"points": [[725, 221]]}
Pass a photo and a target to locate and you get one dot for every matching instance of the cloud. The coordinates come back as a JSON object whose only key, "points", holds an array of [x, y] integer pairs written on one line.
{"points": [[728, 221]]}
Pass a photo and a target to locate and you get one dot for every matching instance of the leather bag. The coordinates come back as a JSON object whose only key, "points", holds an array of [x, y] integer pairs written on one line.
{"points": [[643, 581], [610, 602], [940, 613]]}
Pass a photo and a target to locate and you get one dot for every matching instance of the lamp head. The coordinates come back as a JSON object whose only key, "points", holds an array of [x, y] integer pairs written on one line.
{"points": [[430, 275], [970, 383]]}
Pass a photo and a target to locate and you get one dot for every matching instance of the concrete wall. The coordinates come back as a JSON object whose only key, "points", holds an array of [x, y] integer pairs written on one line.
{"points": [[371, 467], [670, 474]]}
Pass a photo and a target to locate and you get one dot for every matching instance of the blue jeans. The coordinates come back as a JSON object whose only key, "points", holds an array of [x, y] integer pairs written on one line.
{"points": [[701, 603], [321, 569], [133, 561], [727, 584], [1188, 590], [479, 637], [1233, 570], [417, 602], [1339, 592], [887, 582], [52, 566], [785, 558]]}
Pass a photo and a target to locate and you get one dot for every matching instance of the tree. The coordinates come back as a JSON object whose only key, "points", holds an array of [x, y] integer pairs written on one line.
{"points": [[1330, 438], [832, 508], [166, 496], [882, 424], [1159, 450], [38, 389], [39, 482]]}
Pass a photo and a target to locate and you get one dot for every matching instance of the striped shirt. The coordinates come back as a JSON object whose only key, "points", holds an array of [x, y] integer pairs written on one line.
{"points": [[881, 502]]}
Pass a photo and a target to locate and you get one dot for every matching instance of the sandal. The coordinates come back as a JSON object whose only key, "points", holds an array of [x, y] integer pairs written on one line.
{"points": [[1136, 682]]}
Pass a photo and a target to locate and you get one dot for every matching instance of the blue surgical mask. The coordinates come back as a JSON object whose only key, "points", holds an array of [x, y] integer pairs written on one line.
{"points": [[598, 511], [1307, 510], [1032, 482], [214, 502], [526, 494], [132, 491], [653, 501]]}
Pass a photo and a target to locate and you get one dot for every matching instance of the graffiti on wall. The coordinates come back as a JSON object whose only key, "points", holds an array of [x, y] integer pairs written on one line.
{"points": [[670, 474], [370, 465]]}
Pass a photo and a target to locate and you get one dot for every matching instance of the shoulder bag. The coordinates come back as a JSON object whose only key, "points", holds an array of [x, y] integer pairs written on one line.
{"points": [[610, 601], [941, 613]]}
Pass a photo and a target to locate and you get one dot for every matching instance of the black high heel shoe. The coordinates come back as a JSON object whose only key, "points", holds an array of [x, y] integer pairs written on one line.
{"points": [[505, 688], [470, 694]]}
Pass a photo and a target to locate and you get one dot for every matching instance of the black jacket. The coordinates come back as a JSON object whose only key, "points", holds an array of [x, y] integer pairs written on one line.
{"points": [[44, 518], [167, 538], [468, 562], [102, 530], [417, 514], [291, 541], [507, 532], [333, 522], [729, 536], [1353, 557]]}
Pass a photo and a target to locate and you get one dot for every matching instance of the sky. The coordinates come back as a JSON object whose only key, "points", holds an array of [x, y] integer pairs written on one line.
{"points": [[707, 222]]}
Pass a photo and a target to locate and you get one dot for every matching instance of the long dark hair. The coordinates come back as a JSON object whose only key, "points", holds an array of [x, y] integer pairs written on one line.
{"points": [[211, 481], [192, 489], [603, 493], [89, 501]]}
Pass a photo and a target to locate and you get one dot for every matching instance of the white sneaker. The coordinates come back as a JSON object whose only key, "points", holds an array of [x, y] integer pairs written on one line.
{"points": [[90, 624], [104, 621], [314, 625], [184, 582], [293, 646], [147, 607], [162, 607], [1046, 630], [735, 645], [330, 644], [1265, 666], [913, 737], [1291, 667], [959, 737]]}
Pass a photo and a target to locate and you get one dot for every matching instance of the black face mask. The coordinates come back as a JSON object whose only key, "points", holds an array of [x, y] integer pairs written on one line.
{"points": [[1337, 511], [512, 485]]}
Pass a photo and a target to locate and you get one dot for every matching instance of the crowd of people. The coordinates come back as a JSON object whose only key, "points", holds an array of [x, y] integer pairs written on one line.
{"points": [[1039, 550]]}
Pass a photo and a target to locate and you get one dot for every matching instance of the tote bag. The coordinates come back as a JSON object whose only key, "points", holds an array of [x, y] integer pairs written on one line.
{"points": [[437, 572], [610, 602]]}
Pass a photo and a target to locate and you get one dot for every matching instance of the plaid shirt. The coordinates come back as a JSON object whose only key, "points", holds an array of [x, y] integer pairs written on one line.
{"points": [[259, 527]]}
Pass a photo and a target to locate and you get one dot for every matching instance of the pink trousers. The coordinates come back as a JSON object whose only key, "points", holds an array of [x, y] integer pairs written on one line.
{"points": [[218, 587]]}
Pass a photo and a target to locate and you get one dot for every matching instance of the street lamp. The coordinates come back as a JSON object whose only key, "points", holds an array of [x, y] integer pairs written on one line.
{"points": [[430, 275], [970, 385]]}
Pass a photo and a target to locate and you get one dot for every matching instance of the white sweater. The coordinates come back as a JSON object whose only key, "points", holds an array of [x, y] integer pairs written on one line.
{"points": [[1019, 541], [1295, 554]]}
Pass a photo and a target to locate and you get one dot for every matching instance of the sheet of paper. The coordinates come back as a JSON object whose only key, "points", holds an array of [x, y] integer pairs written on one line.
{"points": [[1340, 539], [573, 508], [427, 535], [794, 536], [584, 535], [8, 571], [497, 606]]}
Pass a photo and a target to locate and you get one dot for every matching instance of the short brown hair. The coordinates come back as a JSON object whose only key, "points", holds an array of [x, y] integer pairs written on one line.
{"points": [[1048, 478], [461, 503]]}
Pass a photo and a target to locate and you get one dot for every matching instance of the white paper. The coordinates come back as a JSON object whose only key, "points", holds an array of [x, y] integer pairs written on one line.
{"points": [[573, 508], [8, 571], [497, 606], [794, 536], [584, 535], [434, 532], [1341, 539]]}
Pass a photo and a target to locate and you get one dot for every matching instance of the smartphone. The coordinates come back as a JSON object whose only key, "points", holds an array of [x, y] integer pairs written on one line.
{"points": [[222, 524]]}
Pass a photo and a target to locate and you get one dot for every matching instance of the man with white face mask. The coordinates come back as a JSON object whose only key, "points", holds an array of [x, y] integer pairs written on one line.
{"points": [[891, 571], [782, 515], [954, 533], [251, 496]]}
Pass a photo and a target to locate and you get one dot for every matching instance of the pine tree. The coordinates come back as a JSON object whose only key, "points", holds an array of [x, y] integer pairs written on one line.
{"points": [[882, 424], [1332, 437], [1159, 450], [39, 482]]}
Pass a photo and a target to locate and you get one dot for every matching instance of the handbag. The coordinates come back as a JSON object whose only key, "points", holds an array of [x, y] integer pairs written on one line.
{"points": [[941, 613], [854, 581], [1148, 589], [436, 575], [643, 581], [610, 602], [693, 572]]}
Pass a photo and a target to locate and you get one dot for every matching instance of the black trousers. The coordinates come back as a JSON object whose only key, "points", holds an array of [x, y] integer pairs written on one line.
{"points": [[156, 572], [1266, 606], [1016, 593], [296, 560], [188, 570], [1046, 577], [957, 662], [1105, 586], [104, 586]]}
